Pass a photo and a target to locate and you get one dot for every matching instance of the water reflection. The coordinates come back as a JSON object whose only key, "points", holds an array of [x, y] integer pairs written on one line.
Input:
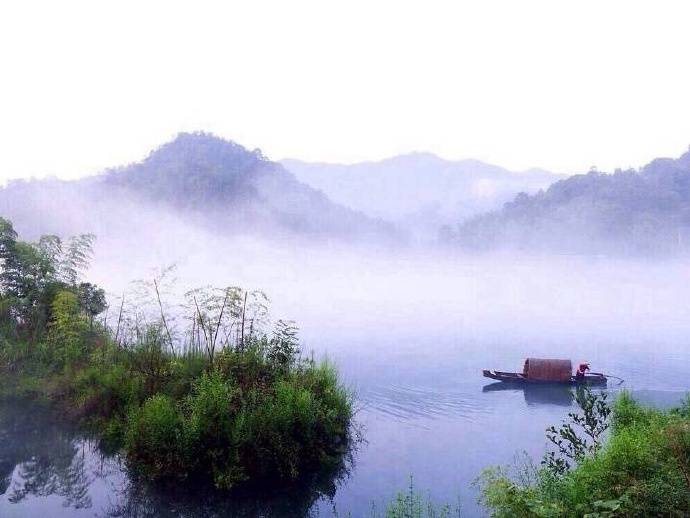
{"points": [[537, 394], [139, 499], [39, 458], [42, 459]]}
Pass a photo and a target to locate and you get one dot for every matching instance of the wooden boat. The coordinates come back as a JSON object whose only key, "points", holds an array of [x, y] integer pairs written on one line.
{"points": [[540, 371], [516, 377]]}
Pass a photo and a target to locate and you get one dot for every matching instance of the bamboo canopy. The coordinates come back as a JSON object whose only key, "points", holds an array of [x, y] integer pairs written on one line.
{"points": [[548, 370]]}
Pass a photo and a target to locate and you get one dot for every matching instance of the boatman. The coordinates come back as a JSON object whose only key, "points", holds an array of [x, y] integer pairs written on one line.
{"points": [[581, 370]]}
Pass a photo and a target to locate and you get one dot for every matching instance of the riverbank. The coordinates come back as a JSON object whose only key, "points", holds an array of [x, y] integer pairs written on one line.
{"points": [[227, 398], [245, 420], [641, 469]]}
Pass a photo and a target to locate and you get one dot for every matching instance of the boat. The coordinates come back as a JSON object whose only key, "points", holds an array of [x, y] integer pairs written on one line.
{"points": [[544, 371]]}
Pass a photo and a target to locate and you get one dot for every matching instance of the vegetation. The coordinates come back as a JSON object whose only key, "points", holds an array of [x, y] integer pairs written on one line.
{"points": [[628, 212], [218, 397], [413, 504], [642, 469]]}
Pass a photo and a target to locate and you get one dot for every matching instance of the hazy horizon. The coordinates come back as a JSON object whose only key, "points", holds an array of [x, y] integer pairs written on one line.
{"points": [[304, 249], [67, 176], [525, 85]]}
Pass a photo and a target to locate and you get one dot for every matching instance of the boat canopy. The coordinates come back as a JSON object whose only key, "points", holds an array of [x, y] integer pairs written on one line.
{"points": [[548, 370]]}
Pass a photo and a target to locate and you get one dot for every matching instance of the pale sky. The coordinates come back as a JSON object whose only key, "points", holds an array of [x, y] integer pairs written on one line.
{"points": [[554, 84]]}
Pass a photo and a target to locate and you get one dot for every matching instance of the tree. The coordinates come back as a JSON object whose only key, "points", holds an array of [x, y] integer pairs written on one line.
{"points": [[91, 300], [66, 328], [76, 257], [32, 275], [27, 272], [10, 276]]}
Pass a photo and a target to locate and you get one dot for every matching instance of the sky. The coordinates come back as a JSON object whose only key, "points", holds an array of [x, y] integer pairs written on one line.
{"points": [[555, 84]]}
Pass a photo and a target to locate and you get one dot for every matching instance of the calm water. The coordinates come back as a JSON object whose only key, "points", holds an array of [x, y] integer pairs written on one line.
{"points": [[433, 417], [411, 338]]}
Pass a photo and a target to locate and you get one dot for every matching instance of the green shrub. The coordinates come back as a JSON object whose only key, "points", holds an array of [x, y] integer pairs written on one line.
{"points": [[233, 433], [66, 330], [209, 428], [643, 469], [294, 425], [149, 359], [107, 390], [155, 438], [250, 367], [182, 374]]}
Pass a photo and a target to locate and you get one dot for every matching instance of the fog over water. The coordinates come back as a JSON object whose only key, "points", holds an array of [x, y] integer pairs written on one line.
{"points": [[364, 291], [410, 330], [426, 189], [409, 326]]}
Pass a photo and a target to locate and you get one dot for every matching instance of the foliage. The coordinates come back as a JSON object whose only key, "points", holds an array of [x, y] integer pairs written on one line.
{"points": [[275, 427], [640, 470], [91, 300], [33, 274], [591, 424], [284, 345], [66, 329], [238, 405], [627, 212], [155, 438], [412, 504]]}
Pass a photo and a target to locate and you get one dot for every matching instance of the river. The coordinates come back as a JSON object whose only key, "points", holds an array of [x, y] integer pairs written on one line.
{"points": [[413, 353]]}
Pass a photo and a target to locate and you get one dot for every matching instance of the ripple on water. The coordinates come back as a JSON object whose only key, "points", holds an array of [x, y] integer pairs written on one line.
{"points": [[408, 403]]}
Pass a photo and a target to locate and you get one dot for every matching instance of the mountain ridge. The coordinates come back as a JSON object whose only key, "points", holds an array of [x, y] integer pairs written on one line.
{"points": [[210, 180], [419, 191], [642, 211]]}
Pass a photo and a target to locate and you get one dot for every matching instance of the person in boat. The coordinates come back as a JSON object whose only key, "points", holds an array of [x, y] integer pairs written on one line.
{"points": [[581, 371]]}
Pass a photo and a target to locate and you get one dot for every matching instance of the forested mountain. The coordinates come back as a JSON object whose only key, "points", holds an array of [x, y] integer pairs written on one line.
{"points": [[419, 191], [197, 177], [645, 212]]}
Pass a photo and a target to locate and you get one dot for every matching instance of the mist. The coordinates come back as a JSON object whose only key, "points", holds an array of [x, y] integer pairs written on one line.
{"points": [[270, 259], [356, 291], [410, 323], [343, 273]]}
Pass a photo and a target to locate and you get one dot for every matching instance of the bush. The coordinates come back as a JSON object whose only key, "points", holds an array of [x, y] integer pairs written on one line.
{"points": [[276, 431], [155, 438], [107, 390], [643, 469], [232, 433], [209, 428], [249, 367]]}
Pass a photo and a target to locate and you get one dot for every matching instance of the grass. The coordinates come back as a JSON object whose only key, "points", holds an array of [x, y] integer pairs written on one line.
{"points": [[247, 419], [412, 503], [642, 469]]}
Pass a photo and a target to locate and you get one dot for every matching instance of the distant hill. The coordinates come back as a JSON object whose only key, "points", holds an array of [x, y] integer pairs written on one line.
{"points": [[197, 177], [645, 212], [419, 191]]}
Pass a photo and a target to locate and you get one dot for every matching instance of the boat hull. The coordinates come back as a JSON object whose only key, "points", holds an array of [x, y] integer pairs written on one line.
{"points": [[519, 379]]}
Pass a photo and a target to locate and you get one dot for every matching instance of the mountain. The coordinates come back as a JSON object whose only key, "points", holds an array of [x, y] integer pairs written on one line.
{"points": [[419, 191], [196, 178], [639, 212]]}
